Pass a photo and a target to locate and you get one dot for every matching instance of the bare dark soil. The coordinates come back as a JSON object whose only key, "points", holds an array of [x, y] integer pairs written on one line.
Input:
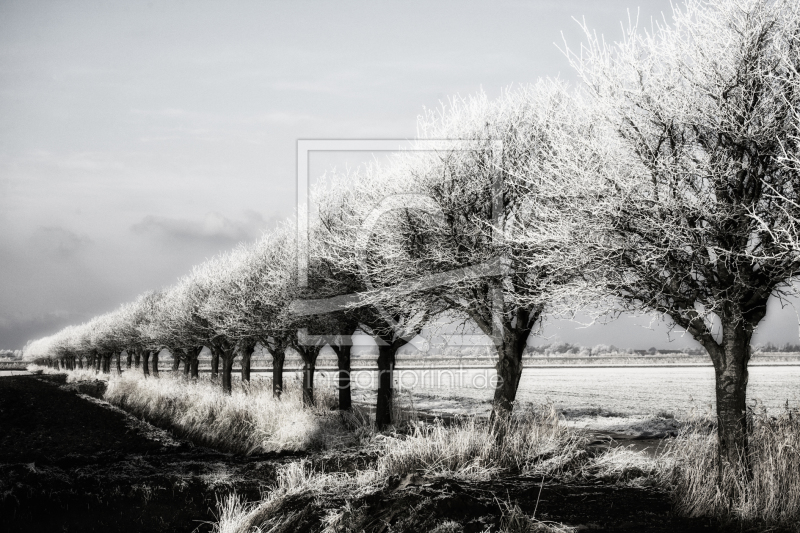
{"points": [[68, 464]]}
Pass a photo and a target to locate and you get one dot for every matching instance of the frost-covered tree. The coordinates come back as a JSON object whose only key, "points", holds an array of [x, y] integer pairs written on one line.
{"points": [[449, 241], [695, 207], [349, 253]]}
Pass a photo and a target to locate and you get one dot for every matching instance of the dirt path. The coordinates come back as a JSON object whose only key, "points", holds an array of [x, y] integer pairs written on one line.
{"points": [[69, 464]]}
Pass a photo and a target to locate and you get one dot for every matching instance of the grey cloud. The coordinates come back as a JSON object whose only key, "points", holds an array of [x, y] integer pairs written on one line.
{"points": [[17, 329], [58, 242], [213, 227]]}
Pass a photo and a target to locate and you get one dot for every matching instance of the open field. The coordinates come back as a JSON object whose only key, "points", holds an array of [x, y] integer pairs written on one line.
{"points": [[628, 390]]}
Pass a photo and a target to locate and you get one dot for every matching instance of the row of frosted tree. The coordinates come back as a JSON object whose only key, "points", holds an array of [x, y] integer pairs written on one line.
{"points": [[667, 182]]}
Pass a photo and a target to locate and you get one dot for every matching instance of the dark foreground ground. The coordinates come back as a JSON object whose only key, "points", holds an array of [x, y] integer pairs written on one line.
{"points": [[70, 464]]}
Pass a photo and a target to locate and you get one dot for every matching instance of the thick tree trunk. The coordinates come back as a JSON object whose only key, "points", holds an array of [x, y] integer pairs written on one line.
{"points": [[731, 375], [117, 356], [146, 363], [137, 358], [106, 363], [343, 383], [247, 354], [510, 348], [509, 372], [278, 358], [227, 372], [128, 359], [176, 364], [80, 363], [155, 363], [383, 409], [195, 368], [309, 355], [190, 362], [214, 362]]}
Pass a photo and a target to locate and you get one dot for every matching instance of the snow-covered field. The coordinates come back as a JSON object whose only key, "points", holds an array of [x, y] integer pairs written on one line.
{"points": [[588, 391]]}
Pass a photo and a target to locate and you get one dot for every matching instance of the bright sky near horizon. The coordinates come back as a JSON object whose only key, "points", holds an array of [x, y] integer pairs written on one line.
{"points": [[138, 139]]}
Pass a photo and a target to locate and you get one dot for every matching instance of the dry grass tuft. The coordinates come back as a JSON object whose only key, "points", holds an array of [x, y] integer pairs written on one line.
{"points": [[531, 442], [250, 420], [768, 496]]}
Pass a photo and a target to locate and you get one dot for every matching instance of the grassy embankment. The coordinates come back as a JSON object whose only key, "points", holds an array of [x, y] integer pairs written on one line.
{"points": [[532, 443]]}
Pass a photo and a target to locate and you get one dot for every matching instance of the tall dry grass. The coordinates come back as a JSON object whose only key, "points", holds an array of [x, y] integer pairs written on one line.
{"points": [[531, 442], [767, 495], [249, 420]]}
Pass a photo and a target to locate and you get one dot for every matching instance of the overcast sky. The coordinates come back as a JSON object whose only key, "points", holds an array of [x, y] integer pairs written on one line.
{"points": [[137, 139]]}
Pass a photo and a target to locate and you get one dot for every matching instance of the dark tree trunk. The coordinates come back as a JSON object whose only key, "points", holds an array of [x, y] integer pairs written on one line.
{"points": [[176, 364], [309, 355], [190, 362], [195, 369], [308, 382], [509, 372], [117, 357], [226, 350], [146, 363], [80, 363], [227, 372], [128, 359], [247, 353], [155, 363], [383, 409], [137, 358], [278, 358], [106, 363], [214, 362], [730, 371], [730, 357], [343, 384], [509, 349]]}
